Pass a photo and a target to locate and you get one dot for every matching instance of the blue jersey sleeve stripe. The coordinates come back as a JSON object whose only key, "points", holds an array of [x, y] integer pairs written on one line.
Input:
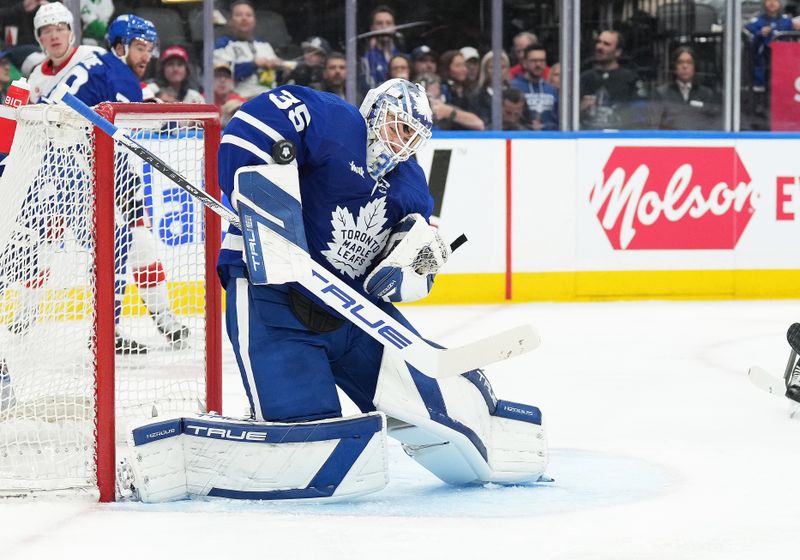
{"points": [[273, 134], [247, 146]]}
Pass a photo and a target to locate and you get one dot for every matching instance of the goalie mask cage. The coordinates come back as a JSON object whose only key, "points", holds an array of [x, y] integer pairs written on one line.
{"points": [[81, 220]]}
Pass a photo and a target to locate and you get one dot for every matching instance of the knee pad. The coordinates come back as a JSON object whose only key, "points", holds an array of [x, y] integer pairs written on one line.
{"points": [[458, 430]]}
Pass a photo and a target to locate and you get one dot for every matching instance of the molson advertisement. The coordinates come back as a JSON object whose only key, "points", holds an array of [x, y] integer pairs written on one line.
{"points": [[621, 216], [673, 198]]}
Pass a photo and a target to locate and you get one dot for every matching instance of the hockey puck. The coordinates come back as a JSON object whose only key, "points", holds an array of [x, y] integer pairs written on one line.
{"points": [[458, 242], [283, 152]]}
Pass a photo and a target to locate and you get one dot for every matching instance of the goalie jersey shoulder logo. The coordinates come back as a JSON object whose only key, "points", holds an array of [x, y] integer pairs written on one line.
{"points": [[357, 239]]}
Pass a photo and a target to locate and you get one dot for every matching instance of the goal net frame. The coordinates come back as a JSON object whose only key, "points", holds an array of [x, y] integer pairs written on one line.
{"points": [[102, 164]]}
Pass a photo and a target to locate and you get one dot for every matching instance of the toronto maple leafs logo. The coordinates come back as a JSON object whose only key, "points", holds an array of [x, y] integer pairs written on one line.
{"points": [[421, 107], [356, 241]]}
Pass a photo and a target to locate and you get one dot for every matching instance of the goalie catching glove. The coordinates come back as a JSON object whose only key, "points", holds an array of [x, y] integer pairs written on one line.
{"points": [[413, 255]]}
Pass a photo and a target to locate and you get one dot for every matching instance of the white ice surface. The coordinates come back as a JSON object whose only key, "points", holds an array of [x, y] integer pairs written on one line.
{"points": [[661, 449]]}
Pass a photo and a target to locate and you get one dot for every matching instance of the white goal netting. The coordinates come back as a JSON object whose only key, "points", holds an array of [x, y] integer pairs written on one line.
{"points": [[48, 284]]}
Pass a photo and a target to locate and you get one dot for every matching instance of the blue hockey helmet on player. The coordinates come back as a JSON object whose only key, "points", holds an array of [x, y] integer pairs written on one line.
{"points": [[126, 28], [399, 122]]}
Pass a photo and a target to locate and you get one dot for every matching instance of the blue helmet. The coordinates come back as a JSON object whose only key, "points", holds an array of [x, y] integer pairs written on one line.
{"points": [[399, 122], [128, 27]]}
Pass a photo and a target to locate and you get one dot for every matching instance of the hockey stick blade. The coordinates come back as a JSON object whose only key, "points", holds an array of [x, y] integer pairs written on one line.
{"points": [[494, 348], [766, 381], [432, 361]]}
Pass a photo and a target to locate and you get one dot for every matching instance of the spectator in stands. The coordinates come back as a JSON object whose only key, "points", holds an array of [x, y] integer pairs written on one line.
{"points": [[540, 96], [763, 28], [521, 42], [515, 110], [16, 22], [485, 92], [445, 115], [683, 103], [173, 73], [400, 67], [5, 74], [254, 62], [456, 89], [335, 74], [308, 71], [423, 61], [473, 59], [95, 15], [611, 96], [226, 100], [375, 61]]}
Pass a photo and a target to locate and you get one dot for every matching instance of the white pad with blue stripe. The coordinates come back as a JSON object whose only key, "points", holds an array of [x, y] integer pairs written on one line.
{"points": [[267, 198], [210, 455], [458, 430]]}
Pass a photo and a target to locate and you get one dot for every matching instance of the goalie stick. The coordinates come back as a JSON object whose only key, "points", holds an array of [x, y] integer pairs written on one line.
{"points": [[433, 361]]}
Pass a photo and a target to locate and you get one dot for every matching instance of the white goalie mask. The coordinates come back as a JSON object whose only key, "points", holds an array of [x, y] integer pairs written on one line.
{"points": [[399, 122], [53, 14]]}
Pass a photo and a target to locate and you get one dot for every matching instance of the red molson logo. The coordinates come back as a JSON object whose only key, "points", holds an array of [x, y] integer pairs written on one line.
{"points": [[673, 198]]}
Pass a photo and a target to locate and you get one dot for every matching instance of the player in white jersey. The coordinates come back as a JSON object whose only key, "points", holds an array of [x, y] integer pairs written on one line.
{"points": [[53, 26]]}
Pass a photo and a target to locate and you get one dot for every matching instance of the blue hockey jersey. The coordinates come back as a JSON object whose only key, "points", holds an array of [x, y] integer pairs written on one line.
{"points": [[780, 23], [347, 214], [102, 78]]}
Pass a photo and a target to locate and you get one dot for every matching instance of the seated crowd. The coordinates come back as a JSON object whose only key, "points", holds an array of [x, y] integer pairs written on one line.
{"points": [[458, 81]]}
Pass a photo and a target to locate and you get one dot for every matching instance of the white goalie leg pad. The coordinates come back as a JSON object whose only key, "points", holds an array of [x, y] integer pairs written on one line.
{"points": [[156, 460], [215, 456], [478, 440]]}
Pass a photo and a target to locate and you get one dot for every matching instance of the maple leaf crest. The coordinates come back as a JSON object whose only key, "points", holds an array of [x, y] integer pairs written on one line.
{"points": [[356, 241], [423, 109]]}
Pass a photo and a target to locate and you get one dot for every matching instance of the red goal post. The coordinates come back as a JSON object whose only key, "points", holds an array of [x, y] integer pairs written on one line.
{"points": [[115, 112]]}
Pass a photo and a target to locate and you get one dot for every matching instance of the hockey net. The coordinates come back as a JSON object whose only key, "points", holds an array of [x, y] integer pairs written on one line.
{"points": [[109, 308]]}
